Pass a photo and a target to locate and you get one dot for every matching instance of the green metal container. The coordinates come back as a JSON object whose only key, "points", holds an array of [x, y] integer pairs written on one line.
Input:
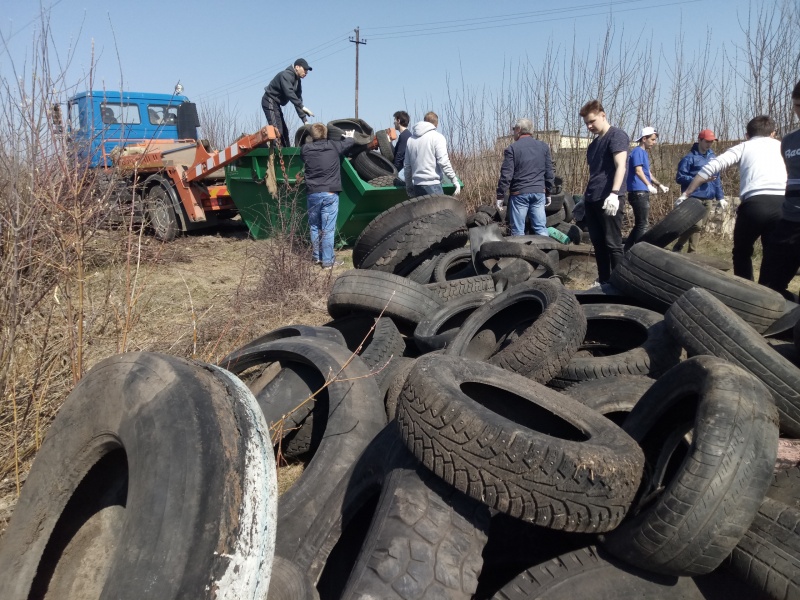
{"points": [[359, 202]]}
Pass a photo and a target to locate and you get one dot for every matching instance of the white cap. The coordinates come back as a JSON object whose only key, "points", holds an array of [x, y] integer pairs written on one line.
{"points": [[647, 132]]}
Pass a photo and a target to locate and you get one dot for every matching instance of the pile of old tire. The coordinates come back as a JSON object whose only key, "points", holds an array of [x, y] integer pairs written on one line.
{"points": [[486, 435], [373, 167]]}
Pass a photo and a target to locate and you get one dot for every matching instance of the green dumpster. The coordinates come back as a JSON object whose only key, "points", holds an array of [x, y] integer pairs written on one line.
{"points": [[359, 202]]}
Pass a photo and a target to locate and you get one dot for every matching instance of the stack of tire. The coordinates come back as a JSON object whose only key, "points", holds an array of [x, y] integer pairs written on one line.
{"points": [[374, 167], [487, 435]]}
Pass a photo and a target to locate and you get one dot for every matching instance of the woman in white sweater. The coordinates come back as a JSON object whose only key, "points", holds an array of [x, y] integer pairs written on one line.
{"points": [[762, 184]]}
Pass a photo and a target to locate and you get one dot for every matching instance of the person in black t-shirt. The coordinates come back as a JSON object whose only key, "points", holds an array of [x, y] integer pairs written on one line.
{"points": [[604, 198], [401, 121]]}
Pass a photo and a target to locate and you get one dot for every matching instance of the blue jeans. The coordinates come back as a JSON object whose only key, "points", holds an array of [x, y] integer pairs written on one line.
{"points": [[425, 190], [323, 208], [524, 206]]}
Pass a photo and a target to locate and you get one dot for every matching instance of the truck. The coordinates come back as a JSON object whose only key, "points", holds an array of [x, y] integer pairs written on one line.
{"points": [[163, 175]]}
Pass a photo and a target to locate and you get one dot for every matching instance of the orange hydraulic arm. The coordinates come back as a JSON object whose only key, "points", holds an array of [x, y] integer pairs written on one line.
{"points": [[205, 162]]}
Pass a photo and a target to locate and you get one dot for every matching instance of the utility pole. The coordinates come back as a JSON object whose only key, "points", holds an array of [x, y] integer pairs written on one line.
{"points": [[357, 41]]}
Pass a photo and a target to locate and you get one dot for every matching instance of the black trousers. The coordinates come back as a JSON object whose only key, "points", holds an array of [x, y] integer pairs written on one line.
{"points": [[756, 217], [272, 110], [640, 203], [606, 235], [781, 257]]}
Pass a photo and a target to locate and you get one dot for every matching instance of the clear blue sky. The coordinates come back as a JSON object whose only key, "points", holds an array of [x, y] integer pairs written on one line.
{"points": [[227, 51]]}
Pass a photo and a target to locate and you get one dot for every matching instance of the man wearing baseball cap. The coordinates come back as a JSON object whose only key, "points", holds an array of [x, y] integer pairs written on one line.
{"points": [[762, 187], [286, 87], [641, 183], [710, 192]]}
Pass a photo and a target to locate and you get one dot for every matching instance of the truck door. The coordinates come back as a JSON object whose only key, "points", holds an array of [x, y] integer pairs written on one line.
{"points": [[118, 123]]}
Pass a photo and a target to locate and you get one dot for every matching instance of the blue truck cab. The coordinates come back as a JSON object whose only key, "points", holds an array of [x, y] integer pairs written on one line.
{"points": [[99, 121]]}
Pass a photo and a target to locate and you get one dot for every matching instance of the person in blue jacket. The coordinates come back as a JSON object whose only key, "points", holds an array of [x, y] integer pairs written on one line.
{"points": [[641, 183], [710, 192]]}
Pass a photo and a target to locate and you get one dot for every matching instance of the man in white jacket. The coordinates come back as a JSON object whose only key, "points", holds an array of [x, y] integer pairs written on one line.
{"points": [[762, 185], [426, 159]]}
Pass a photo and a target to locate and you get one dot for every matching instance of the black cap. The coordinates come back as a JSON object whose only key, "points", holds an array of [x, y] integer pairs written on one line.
{"points": [[301, 62]]}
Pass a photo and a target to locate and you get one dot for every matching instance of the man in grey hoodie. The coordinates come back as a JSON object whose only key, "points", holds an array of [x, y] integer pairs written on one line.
{"points": [[426, 159]]}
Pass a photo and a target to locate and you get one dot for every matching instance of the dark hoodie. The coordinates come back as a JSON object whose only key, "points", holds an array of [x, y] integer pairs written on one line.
{"points": [[286, 87], [690, 166]]}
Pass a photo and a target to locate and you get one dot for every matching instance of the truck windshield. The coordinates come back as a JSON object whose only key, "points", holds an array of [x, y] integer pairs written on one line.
{"points": [[119, 113]]}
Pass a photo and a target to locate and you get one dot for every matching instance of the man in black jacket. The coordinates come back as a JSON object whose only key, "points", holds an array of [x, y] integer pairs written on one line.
{"points": [[401, 121], [286, 87], [528, 172], [322, 158]]}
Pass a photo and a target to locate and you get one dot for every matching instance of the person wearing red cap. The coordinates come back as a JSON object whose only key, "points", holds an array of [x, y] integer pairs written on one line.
{"points": [[710, 192], [286, 87], [762, 187]]}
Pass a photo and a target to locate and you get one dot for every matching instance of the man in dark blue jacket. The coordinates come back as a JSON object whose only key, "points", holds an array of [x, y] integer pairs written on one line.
{"points": [[401, 121], [322, 158], [710, 192], [527, 171], [286, 87]]}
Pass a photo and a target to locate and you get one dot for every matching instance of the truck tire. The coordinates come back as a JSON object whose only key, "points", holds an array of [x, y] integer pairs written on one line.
{"points": [[375, 292], [679, 220], [699, 497], [385, 145], [398, 216], [198, 487], [425, 541], [703, 325], [620, 340], [768, 556], [160, 214], [518, 446], [658, 277], [532, 329], [371, 165]]}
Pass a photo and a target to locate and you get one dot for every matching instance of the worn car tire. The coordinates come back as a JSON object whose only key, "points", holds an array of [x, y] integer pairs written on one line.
{"points": [[768, 556], [517, 446], [620, 340], [448, 290], [360, 290], [455, 264], [698, 497], [527, 252], [703, 325], [385, 145], [436, 330], [658, 277], [371, 165], [613, 397], [679, 220], [532, 329], [198, 488]]}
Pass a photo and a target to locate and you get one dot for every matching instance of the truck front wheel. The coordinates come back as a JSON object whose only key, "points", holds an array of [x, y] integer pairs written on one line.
{"points": [[161, 216]]}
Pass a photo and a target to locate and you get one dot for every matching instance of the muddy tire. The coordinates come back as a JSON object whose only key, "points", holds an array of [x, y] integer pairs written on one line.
{"points": [[219, 484], [698, 497], [658, 277], [703, 325], [517, 446]]}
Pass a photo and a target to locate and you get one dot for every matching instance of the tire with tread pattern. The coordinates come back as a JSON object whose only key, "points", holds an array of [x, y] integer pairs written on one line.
{"points": [[698, 497], [447, 290], [435, 331], [160, 213], [371, 165], [703, 325], [613, 397], [679, 220], [385, 145], [658, 277], [518, 446]]}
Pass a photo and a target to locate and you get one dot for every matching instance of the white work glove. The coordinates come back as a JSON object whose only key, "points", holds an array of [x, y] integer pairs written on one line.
{"points": [[680, 199], [547, 200], [663, 187], [458, 188], [611, 205], [499, 204], [307, 111], [652, 189], [348, 133], [723, 204]]}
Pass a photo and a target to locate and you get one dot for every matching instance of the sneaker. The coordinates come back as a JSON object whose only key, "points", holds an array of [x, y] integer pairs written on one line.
{"points": [[336, 263]]}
